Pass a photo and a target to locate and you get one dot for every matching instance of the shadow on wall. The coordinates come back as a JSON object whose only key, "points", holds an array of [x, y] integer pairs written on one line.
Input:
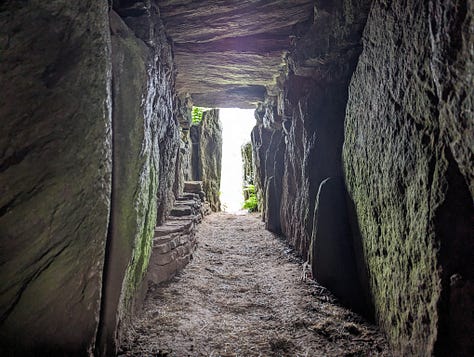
{"points": [[456, 222], [336, 249]]}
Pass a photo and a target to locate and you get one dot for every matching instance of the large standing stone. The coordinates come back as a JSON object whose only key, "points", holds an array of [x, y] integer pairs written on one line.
{"points": [[206, 158], [332, 251], [185, 120], [247, 167], [136, 165], [274, 169], [55, 173], [409, 166], [260, 140]]}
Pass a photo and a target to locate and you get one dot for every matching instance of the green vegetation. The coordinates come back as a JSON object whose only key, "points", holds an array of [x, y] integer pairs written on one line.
{"points": [[197, 115], [251, 203]]}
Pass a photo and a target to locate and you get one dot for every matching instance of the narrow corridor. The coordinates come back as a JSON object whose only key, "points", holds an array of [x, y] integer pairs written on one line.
{"points": [[242, 295]]}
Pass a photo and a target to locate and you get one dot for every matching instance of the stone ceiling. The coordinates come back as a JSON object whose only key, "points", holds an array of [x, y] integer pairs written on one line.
{"points": [[228, 51]]}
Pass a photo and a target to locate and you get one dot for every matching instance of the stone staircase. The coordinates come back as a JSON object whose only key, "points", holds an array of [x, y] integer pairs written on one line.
{"points": [[174, 241]]}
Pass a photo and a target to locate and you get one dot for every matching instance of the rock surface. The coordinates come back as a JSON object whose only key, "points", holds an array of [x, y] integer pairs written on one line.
{"points": [[300, 132], [55, 173], [206, 156], [227, 52], [247, 167], [138, 118], [184, 115], [332, 248], [409, 166]]}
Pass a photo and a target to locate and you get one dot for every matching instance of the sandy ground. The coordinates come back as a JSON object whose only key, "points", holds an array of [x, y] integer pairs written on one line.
{"points": [[242, 295]]}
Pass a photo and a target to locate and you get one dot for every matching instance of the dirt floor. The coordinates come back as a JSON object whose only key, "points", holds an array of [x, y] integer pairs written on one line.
{"points": [[242, 295]]}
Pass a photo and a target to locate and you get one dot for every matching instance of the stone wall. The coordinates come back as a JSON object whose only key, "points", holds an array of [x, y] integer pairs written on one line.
{"points": [[298, 144], [185, 107], [90, 165], [55, 173], [247, 167], [95, 143], [408, 158], [389, 228], [144, 139], [206, 156]]}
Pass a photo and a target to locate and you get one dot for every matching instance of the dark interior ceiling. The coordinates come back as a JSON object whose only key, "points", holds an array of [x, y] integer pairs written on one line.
{"points": [[228, 52]]}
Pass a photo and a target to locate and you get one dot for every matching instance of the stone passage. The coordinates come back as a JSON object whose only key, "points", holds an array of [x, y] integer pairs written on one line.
{"points": [[242, 295]]}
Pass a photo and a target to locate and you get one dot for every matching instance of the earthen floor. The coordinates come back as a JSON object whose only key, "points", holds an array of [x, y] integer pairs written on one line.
{"points": [[242, 295]]}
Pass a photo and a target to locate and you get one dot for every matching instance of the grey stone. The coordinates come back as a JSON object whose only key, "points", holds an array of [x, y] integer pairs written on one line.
{"points": [[55, 173], [206, 157], [239, 51], [192, 187], [409, 169], [333, 255]]}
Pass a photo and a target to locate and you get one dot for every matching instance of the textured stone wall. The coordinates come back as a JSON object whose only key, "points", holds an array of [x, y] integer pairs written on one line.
{"points": [[142, 103], [185, 107], [206, 156], [408, 158], [55, 173], [269, 149], [247, 167], [298, 145], [90, 164]]}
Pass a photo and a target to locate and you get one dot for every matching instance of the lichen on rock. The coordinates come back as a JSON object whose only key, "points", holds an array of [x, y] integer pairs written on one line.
{"points": [[402, 169]]}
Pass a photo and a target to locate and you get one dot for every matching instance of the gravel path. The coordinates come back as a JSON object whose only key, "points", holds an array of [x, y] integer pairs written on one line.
{"points": [[242, 295]]}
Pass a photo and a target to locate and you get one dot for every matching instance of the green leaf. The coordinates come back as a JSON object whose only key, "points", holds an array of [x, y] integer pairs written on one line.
{"points": [[197, 115]]}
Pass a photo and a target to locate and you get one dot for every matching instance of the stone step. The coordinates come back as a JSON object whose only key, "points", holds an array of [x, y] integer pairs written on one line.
{"points": [[193, 186], [191, 203], [175, 240], [178, 211], [189, 196], [186, 222], [168, 229]]}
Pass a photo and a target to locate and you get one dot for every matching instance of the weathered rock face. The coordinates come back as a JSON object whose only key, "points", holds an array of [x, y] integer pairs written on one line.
{"points": [[227, 52], [409, 168], [185, 107], [332, 249], [59, 152], [55, 173], [270, 148], [247, 167], [144, 135], [298, 144], [206, 157]]}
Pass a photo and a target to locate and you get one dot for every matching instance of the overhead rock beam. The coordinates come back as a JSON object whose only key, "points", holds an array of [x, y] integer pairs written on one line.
{"points": [[228, 52]]}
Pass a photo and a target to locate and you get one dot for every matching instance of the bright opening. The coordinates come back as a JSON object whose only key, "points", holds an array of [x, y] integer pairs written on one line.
{"points": [[237, 125]]}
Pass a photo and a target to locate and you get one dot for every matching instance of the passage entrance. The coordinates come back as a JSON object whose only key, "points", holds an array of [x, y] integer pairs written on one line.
{"points": [[236, 127]]}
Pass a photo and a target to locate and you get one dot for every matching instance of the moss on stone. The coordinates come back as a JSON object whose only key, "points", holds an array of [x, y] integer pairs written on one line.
{"points": [[395, 159]]}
